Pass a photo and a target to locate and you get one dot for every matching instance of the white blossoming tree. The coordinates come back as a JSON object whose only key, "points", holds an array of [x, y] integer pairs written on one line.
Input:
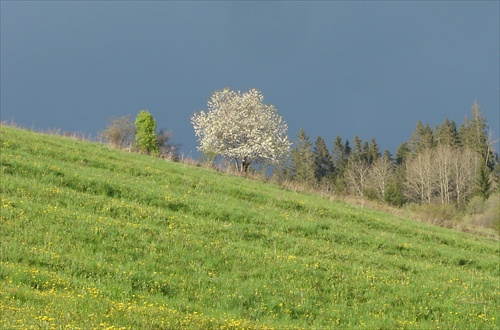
{"points": [[242, 128]]}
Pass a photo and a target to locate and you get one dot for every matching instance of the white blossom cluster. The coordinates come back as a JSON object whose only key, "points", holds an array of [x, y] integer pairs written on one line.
{"points": [[242, 128]]}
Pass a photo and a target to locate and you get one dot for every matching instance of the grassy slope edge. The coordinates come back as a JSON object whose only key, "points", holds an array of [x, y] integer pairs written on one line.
{"points": [[96, 238]]}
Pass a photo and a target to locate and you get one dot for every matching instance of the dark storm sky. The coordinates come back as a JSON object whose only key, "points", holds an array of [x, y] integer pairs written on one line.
{"points": [[333, 68]]}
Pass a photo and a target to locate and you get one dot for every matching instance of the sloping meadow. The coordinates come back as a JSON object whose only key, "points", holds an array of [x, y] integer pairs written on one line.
{"points": [[96, 238]]}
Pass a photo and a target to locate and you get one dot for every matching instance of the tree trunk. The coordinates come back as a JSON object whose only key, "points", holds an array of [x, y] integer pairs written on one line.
{"points": [[245, 163]]}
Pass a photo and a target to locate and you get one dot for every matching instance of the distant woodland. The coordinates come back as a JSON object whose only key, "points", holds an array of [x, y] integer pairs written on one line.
{"points": [[445, 164]]}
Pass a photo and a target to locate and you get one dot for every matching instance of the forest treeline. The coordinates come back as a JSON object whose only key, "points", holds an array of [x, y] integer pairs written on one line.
{"points": [[454, 170], [444, 164]]}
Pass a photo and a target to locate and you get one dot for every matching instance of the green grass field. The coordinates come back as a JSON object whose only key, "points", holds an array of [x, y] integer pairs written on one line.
{"points": [[96, 238]]}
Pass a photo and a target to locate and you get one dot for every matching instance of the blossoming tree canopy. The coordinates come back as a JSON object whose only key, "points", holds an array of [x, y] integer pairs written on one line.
{"points": [[239, 126]]}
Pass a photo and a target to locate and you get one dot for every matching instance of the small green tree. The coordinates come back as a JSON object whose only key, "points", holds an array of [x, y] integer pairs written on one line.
{"points": [[145, 137], [394, 194]]}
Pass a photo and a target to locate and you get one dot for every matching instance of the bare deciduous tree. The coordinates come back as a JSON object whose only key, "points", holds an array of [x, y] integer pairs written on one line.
{"points": [[357, 174], [380, 173], [420, 177], [465, 168], [120, 132], [445, 172], [166, 149], [442, 160]]}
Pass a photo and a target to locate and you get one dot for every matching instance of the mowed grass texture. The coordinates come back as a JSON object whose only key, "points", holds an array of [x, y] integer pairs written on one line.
{"points": [[96, 238]]}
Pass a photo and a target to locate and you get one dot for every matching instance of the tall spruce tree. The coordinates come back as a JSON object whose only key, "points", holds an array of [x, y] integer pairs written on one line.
{"points": [[338, 153], [447, 134], [340, 156], [359, 149], [421, 139], [483, 182], [402, 153], [323, 164], [347, 149], [473, 133], [372, 152], [302, 159]]}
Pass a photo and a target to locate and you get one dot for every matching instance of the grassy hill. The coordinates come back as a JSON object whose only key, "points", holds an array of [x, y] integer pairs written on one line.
{"points": [[96, 238]]}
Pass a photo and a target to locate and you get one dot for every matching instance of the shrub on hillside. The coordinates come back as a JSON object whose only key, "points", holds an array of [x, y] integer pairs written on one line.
{"points": [[476, 205], [443, 215], [485, 214], [166, 149], [119, 133]]}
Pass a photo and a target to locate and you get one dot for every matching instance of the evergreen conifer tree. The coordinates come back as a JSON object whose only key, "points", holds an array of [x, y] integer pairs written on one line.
{"points": [[340, 155], [302, 159], [373, 152], [483, 182], [323, 165], [473, 133], [421, 139], [402, 153], [447, 134], [359, 150]]}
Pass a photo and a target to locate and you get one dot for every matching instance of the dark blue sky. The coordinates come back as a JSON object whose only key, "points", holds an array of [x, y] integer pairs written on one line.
{"points": [[333, 68]]}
